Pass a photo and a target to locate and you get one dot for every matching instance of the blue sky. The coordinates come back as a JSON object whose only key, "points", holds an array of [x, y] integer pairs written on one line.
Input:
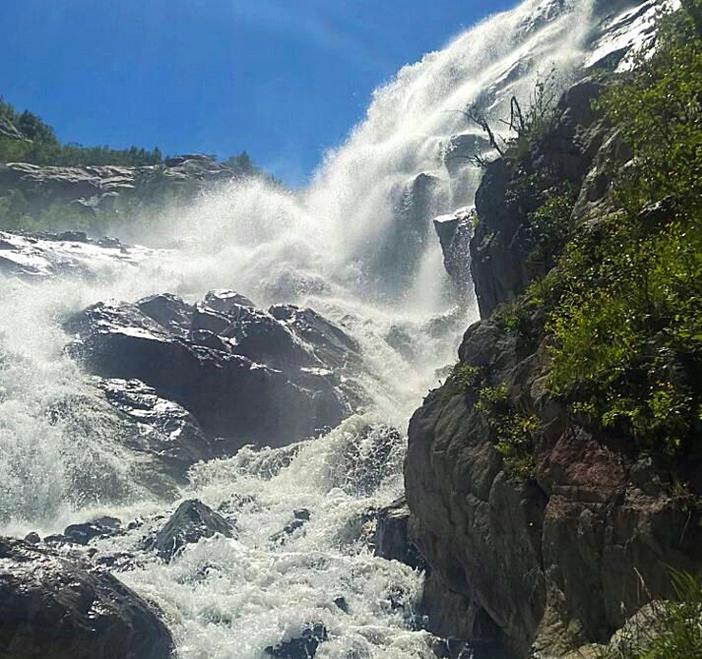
{"points": [[283, 79]]}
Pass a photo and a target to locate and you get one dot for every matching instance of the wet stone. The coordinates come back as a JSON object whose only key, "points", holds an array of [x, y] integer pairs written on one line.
{"points": [[192, 521], [303, 647]]}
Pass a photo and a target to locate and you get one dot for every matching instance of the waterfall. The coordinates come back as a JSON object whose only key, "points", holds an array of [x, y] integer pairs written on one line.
{"points": [[358, 246]]}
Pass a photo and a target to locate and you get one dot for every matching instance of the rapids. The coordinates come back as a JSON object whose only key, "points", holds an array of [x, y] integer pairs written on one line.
{"points": [[332, 247]]}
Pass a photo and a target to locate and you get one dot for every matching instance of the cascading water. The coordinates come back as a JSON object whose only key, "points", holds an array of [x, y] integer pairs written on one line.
{"points": [[358, 247]]}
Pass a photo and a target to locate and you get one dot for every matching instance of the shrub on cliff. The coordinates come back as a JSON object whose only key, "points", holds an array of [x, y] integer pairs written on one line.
{"points": [[627, 295], [664, 629]]}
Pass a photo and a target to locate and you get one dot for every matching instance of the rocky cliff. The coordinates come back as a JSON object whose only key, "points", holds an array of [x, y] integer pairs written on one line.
{"points": [[542, 530], [45, 196]]}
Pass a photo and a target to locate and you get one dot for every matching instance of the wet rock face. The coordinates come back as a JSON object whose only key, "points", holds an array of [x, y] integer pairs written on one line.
{"points": [[455, 232], [392, 536], [192, 521], [71, 253], [50, 607], [217, 369], [167, 430], [397, 252]]}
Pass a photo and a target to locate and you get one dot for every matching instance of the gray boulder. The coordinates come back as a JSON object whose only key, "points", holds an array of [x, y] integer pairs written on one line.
{"points": [[51, 608], [192, 521], [231, 395]]}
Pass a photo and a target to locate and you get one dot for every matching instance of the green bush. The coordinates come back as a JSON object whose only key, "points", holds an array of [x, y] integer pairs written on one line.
{"points": [[515, 431], [550, 227], [625, 297], [463, 377]]}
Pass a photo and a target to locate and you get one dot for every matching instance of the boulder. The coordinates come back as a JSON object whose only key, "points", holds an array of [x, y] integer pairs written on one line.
{"points": [[328, 342], [230, 395], [82, 534], [51, 607], [226, 301], [303, 647], [261, 338], [192, 521], [169, 311]]}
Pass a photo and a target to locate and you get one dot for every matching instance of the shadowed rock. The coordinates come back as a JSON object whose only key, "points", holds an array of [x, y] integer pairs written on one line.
{"points": [[192, 521], [82, 534], [392, 535], [303, 647], [53, 608], [231, 395]]}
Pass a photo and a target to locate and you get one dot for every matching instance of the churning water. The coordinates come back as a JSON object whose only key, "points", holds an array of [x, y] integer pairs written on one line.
{"points": [[340, 247]]}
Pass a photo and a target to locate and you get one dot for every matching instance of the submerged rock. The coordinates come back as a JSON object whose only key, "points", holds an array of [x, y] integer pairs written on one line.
{"points": [[300, 517], [192, 521], [82, 534], [368, 456], [303, 647], [53, 608]]}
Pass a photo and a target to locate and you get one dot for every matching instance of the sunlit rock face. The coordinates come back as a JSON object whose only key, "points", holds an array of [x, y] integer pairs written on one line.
{"points": [[90, 189]]}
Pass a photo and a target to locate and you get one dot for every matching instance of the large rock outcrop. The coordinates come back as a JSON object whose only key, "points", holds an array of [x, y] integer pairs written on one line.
{"points": [[32, 256], [90, 189], [237, 373], [455, 232], [562, 553], [53, 608]]}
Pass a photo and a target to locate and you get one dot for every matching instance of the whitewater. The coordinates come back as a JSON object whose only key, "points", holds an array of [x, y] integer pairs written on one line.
{"points": [[331, 247]]}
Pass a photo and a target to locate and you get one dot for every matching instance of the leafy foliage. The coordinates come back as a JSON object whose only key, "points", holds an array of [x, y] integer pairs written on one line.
{"points": [[626, 295], [550, 227], [463, 377], [515, 431], [524, 128]]}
